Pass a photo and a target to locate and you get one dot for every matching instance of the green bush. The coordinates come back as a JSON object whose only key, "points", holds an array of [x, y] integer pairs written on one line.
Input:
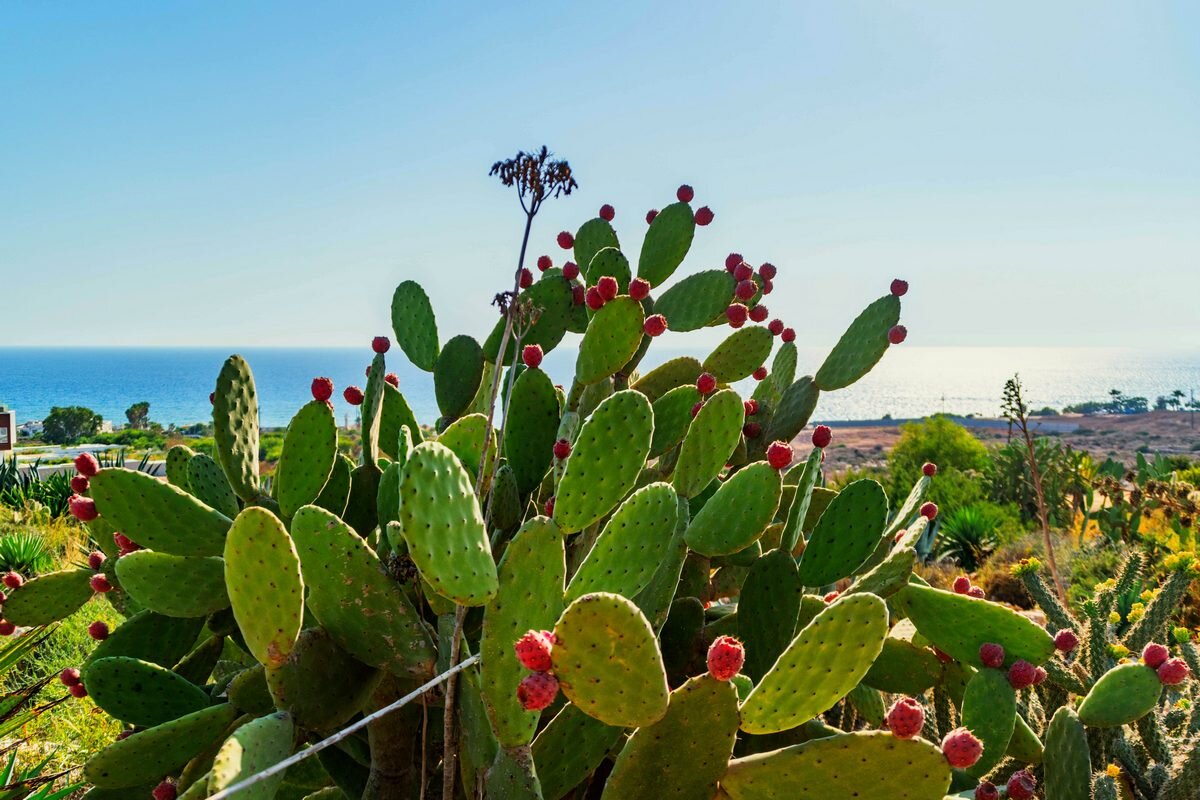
{"points": [[958, 455], [969, 534]]}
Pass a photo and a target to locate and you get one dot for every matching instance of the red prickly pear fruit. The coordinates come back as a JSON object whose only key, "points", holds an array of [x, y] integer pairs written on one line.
{"points": [[737, 314], [100, 584], [570, 270], [706, 383], [759, 313], [537, 691], [656, 325], [353, 395], [767, 287], [562, 449], [759, 374], [7, 628], [322, 389], [776, 327], [1065, 640], [367, 371], [745, 290], [704, 216], [544, 263], [905, 718], [531, 354], [533, 650], [962, 584], [1021, 785], [1173, 671], [565, 240], [987, 791], [822, 436], [897, 334], [751, 430], [830, 597], [577, 295], [743, 272], [767, 271], [548, 507], [1039, 676], [86, 465], [929, 511], [165, 791], [685, 193], [750, 407], [992, 655], [1154, 655], [732, 261], [608, 288], [95, 559], [98, 630], [650, 215], [69, 677], [696, 409], [526, 279], [639, 288], [595, 300], [961, 748], [1021, 674], [607, 212], [123, 542], [779, 454], [725, 657], [78, 691], [13, 580], [788, 335], [393, 379], [976, 592], [80, 484], [899, 287], [381, 344], [212, 398], [942, 656], [929, 469]]}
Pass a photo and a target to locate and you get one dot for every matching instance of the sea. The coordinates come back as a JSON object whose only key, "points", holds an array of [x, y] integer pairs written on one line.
{"points": [[910, 381]]}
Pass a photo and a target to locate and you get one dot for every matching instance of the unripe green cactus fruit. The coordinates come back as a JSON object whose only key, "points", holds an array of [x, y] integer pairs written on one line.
{"points": [[415, 325], [309, 453], [141, 693], [235, 428], [262, 576], [177, 586], [158, 515]]}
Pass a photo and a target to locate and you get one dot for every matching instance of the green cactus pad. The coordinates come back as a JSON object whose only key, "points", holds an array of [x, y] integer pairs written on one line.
{"points": [[252, 748], [320, 684], [530, 428], [49, 598], [607, 661], [794, 525], [140, 693], [158, 515], [415, 325], [249, 693], [362, 504], [958, 624], [552, 295], [846, 534], [631, 546], [1122, 695], [198, 665], [655, 599], [767, 610], [696, 300], [364, 611], [908, 509], [593, 395], [457, 374], [744, 351], [1068, 762], [465, 437], [861, 346], [685, 753], [825, 661], [177, 586], [989, 710], [903, 667], [868, 704], [309, 453], [371, 410], [512, 776], [1025, 745], [158, 751], [666, 376], [235, 428], [505, 498], [177, 466], [667, 242], [610, 262], [532, 573], [262, 576], [387, 501], [568, 749], [738, 513], [337, 489], [672, 417], [151, 637], [612, 338], [890, 576], [443, 526], [795, 407], [783, 369], [845, 766], [711, 438], [207, 482], [608, 456], [396, 414], [592, 237]]}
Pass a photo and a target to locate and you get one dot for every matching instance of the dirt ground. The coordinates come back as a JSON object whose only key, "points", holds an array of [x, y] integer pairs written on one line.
{"points": [[1121, 437]]}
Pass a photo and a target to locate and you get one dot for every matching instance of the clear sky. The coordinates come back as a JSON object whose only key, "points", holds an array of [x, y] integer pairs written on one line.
{"points": [[263, 173]]}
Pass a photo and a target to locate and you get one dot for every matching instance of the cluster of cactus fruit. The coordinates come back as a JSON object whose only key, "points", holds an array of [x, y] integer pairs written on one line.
{"points": [[661, 603]]}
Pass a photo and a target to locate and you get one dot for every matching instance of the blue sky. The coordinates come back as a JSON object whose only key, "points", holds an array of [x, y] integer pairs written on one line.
{"points": [[263, 173]]}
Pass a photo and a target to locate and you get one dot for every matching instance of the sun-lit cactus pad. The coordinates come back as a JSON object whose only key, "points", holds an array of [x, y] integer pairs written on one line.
{"points": [[160, 696], [1121, 696], [177, 586], [49, 597], [158, 515]]}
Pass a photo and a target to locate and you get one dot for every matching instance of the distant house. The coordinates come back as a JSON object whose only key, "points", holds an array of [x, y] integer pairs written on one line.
{"points": [[106, 426], [31, 428]]}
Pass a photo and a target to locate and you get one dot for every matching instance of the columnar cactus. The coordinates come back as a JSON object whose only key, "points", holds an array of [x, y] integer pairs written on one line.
{"points": [[629, 522]]}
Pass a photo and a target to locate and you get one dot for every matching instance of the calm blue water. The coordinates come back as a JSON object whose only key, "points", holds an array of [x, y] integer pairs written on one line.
{"points": [[910, 382]]}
